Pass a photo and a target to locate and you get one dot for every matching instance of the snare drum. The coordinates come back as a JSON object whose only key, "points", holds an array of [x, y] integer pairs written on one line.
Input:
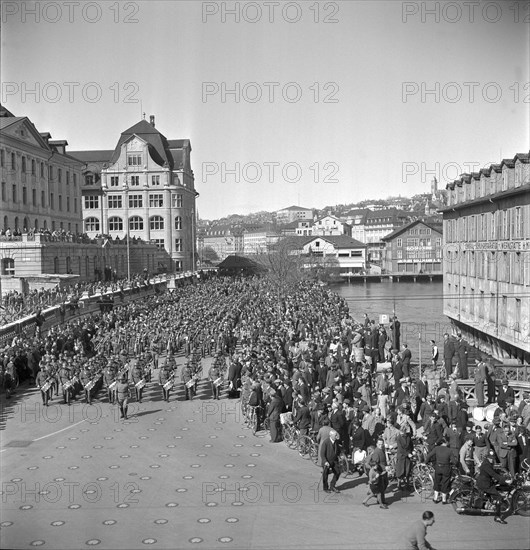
{"points": [[140, 384], [46, 387], [478, 414], [112, 386], [190, 384], [168, 385]]}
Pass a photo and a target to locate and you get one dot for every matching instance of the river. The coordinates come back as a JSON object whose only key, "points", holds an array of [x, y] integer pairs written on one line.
{"points": [[418, 307]]}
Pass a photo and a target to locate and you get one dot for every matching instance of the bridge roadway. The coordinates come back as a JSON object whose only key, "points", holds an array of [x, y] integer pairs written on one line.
{"points": [[188, 474]]}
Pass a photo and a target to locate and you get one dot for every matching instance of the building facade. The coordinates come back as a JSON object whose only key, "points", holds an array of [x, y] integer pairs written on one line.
{"points": [[330, 225], [293, 213], [345, 254], [144, 188], [40, 182], [486, 260], [414, 248], [42, 260], [370, 226]]}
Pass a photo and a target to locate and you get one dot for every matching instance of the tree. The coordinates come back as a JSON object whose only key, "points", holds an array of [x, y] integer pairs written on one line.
{"points": [[209, 254]]}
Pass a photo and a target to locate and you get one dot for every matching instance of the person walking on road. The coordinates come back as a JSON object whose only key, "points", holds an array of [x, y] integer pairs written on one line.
{"points": [[329, 455], [414, 537]]}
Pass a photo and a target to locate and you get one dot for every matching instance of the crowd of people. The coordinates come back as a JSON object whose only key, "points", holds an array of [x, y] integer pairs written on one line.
{"points": [[294, 348]]}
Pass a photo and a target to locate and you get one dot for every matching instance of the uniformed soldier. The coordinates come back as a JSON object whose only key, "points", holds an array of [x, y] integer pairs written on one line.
{"points": [[109, 377], [187, 379], [43, 382], [86, 381], [123, 394], [443, 458], [216, 380], [137, 376], [165, 376], [66, 383]]}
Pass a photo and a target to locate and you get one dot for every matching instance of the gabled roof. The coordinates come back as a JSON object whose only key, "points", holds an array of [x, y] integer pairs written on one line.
{"points": [[92, 156], [338, 241], [333, 217], [8, 121], [156, 142], [434, 226], [295, 208]]}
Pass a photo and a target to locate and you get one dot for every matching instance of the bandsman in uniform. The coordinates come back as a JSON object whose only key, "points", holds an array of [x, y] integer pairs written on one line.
{"points": [[216, 380], [123, 394], [187, 377], [43, 382], [66, 383], [165, 376], [137, 375], [86, 379], [109, 377]]}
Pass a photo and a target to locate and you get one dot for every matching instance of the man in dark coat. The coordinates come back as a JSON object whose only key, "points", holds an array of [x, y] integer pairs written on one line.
{"points": [[505, 392], [461, 351], [234, 378], [406, 356], [442, 457], [486, 482], [449, 351], [395, 328], [329, 456], [276, 407]]}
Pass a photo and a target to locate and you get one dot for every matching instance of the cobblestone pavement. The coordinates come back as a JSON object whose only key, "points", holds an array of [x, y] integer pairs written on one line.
{"points": [[188, 474]]}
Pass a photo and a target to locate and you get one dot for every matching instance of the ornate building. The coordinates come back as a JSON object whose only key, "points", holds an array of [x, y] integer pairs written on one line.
{"points": [[486, 260], [144, 188], [40, 182]]}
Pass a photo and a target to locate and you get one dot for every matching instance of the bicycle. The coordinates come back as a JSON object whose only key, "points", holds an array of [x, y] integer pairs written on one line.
{"points": [[252, 417], [308, 447]]}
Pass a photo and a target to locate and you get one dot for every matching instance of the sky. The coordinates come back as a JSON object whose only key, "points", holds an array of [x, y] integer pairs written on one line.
{"points": [[285, 103]]}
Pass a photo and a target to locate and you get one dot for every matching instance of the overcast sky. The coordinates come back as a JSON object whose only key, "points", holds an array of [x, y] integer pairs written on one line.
{"points": [[334, 102]]}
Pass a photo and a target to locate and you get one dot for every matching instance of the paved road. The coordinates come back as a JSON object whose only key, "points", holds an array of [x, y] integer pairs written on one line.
{"points": [[188, 474]]}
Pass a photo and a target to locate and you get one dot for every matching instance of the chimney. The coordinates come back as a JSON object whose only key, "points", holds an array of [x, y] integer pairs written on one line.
{"points": [[152, 120]]}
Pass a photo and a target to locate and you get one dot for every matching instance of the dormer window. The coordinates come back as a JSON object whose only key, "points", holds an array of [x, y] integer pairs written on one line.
{"points": [[134, 160]]}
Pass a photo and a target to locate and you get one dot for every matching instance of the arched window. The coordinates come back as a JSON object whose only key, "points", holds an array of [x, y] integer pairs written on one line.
{"points": [[36, 226], [115, 224], [156, 222], [16, 222], [6, 223], [92, 224], [33, 168], [136, 223], [178, 222], [56, 265]]}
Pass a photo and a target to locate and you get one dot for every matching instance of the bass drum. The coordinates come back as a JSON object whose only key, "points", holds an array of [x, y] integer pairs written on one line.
{"points": [[489, 412], [478, 414]]}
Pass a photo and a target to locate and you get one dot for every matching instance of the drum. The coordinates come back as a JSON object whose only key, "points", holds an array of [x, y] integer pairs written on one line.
{"points": [[478, 414], [46, 386], [218, 382], [168, 385], [286, 418], [190, 384], [489, 411], [90, 385], [140, 384], [112, 386]]}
